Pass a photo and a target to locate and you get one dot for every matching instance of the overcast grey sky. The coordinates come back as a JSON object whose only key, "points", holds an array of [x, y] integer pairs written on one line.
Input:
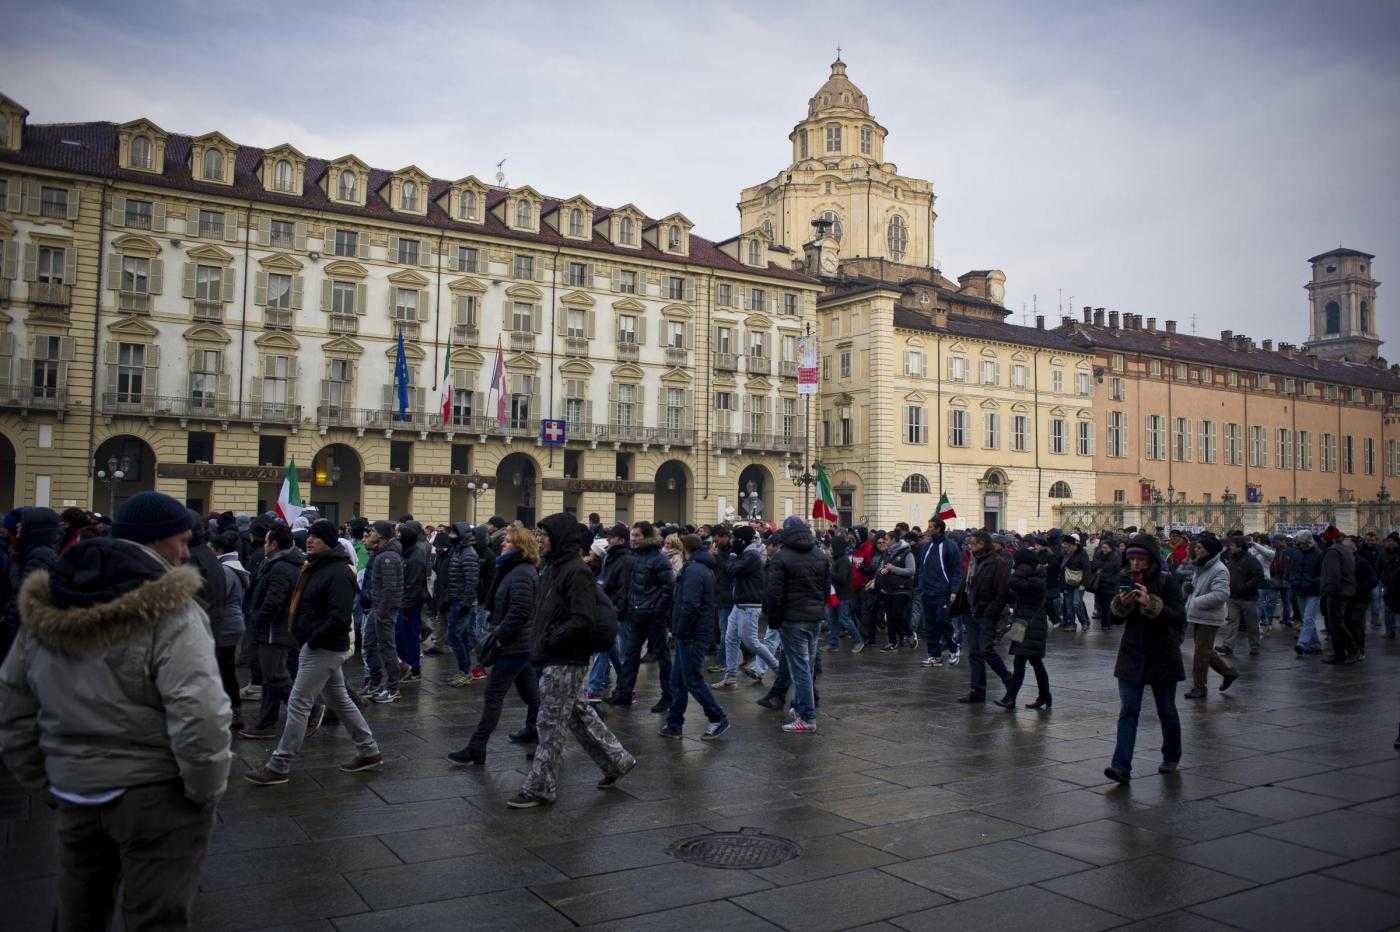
{"points": [[1171, 159]]}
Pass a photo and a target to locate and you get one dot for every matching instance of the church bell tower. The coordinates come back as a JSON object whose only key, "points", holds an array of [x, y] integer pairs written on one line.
{"points": [[1342, 296]]}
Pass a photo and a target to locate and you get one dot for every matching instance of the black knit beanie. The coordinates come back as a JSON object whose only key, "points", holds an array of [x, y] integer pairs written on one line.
{"points": [[148, 516], [326, 531]]}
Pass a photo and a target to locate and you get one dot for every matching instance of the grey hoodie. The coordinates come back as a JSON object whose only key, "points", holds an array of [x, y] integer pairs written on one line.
{"points": [[236, 580]]}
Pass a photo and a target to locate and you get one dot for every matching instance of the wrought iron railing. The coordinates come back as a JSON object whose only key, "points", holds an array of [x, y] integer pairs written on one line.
{"points": [[199, 407]]}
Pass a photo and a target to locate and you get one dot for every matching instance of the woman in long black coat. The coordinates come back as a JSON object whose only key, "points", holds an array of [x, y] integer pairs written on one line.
{"points": [[1027, 587], [512, 601]]}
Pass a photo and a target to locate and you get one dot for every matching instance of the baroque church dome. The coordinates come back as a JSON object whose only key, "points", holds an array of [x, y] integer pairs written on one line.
{"points": [[838, 92]]}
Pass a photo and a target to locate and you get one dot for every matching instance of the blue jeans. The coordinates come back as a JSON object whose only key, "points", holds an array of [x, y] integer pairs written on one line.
{"points": [[839, 619], [1308, 637], [688, 679], [800, 649], [408, 636], [602, 661], [1267, 605], [461, 634], [743, 629], [1130, 707], [938, 626], [1072, 607]]}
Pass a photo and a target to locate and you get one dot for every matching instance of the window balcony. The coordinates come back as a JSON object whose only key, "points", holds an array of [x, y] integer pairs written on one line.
{"points": [[672, 436], [788, 368], [759, 441], [629, 351], [26, 398], [345, 324], [134, 302], [53, 294], [726, 362], [411, 329], [621, 433], [522, 341], [576, 346], [206, 407], [677, 356], [465, 334], [277, 318], [758, 365], [211, 311]]}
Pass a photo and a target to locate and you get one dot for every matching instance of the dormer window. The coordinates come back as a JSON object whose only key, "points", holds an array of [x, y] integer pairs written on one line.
{"points": [[522, 214], [673, 238], [347, 185], [141, 152], [575, 222], [408, 197], [213, 165], [625, 230], [468, 205], [282, 176], [833, 137], [755, 252]]}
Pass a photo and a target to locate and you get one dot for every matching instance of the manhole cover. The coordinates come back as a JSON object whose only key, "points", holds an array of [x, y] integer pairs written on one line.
{"points": [[744, 849]]}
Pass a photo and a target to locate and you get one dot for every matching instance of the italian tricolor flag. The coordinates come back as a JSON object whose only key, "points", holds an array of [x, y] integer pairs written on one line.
{"points": [[945, 508], [825, 505], [289, 497]]}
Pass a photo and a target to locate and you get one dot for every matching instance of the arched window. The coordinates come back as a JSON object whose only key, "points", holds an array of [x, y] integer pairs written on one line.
{"points": [[755, 252], [898, 238], [1060, 490], [575, 222], [1365, 316], [282, 175], [522, 213], [468, 205], [141, 152], [624, 229], [408, 197], [673, 237], [830, 217], [213, 165], [1334, 318], [915, 485], [347, 185], [768, 229]]}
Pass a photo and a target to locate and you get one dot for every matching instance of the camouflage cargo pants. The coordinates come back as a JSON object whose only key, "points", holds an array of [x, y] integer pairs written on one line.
{"points": [[561, 703]]}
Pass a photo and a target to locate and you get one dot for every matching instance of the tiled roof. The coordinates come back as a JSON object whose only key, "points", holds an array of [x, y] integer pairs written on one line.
{"points": [[1341, 252], [1214, 352], [91, 149], [981, 329]]}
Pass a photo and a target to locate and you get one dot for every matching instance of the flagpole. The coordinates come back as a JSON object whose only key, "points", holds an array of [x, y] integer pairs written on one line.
{"points": [[807, 440]]}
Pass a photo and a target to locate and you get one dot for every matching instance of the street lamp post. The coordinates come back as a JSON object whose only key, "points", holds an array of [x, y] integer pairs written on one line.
{"points": [[476, 490], [804, 480], [115, 471]]}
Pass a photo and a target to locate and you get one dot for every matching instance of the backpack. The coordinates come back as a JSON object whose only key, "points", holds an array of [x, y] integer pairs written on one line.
{"points": [[603, 634]]}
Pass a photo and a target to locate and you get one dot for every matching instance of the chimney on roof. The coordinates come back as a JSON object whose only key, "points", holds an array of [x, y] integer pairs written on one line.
{"points": [[1379, 362], [1087, 316], [1152, 325], [1268, 346], [1087, 311], [1040, 321], [1098, 316], [1312, 359], [1242, 343], [1131, 321], [1112, 319], [1171, 326], [1225, 336], [1286, 349], [1066, 320]]}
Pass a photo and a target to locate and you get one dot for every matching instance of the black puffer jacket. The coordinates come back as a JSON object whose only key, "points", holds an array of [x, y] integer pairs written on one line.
{"points": [[213, 595], [986, 587], [1390, 578], [797, 580], [746, 574], [1150, 649], [566, 600], [1246, 576], [324, 599], [415, 566], [463, 567], [652, 581], [513, 605], [40, 531], [841, 566], [1103, 571], [617, 577], [485, 562], [695, 603], [272, 595], [1027, 589]]}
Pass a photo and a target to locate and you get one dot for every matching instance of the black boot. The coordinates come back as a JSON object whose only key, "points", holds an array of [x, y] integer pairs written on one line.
{"points": [[1041, 702], [523, 736], [471, 754], [771, 701]]}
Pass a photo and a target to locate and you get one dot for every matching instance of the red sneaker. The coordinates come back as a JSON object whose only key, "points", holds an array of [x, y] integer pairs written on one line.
{"points": [[478, 673]]}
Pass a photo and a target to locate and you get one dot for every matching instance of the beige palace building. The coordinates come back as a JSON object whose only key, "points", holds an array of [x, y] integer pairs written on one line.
{"points": [[190, 313], [925, 388], [1196, 418]]}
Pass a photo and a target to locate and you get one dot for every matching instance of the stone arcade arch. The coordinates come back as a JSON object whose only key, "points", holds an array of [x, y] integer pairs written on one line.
{"points": [[336, 486], [755, 489], [518, 488], [674, 500], [134, 459]]}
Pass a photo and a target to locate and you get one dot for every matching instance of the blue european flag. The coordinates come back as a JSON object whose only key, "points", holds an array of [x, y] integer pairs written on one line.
{"points": [[401, 379]]}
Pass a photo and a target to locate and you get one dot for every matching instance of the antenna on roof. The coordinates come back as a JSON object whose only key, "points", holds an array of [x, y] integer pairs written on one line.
{"points": [[1193, 325], [1023, 313], [838, 53], [500, 175], [1060, 301], [1035, 306]]}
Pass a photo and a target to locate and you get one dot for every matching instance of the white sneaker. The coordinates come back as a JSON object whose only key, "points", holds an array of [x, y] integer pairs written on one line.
{"points": [[953, 658], [932, 662]]}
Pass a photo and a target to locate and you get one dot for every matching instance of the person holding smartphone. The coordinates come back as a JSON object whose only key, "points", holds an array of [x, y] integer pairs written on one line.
{"points": [[1152, 611]]}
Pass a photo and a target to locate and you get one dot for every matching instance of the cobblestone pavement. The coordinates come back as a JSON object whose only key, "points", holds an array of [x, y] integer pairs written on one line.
{"points": [[911, 811]]}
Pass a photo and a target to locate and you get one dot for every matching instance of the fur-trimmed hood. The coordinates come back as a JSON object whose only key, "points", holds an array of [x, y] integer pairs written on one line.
{"points": [[81, 625]]}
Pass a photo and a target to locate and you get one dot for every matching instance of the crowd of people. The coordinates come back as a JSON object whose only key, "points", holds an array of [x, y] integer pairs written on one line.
{"points": [[123, 642]]}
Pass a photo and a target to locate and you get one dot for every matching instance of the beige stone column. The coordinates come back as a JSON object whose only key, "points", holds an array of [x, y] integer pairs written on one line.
{"points": [[882, 485]]}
